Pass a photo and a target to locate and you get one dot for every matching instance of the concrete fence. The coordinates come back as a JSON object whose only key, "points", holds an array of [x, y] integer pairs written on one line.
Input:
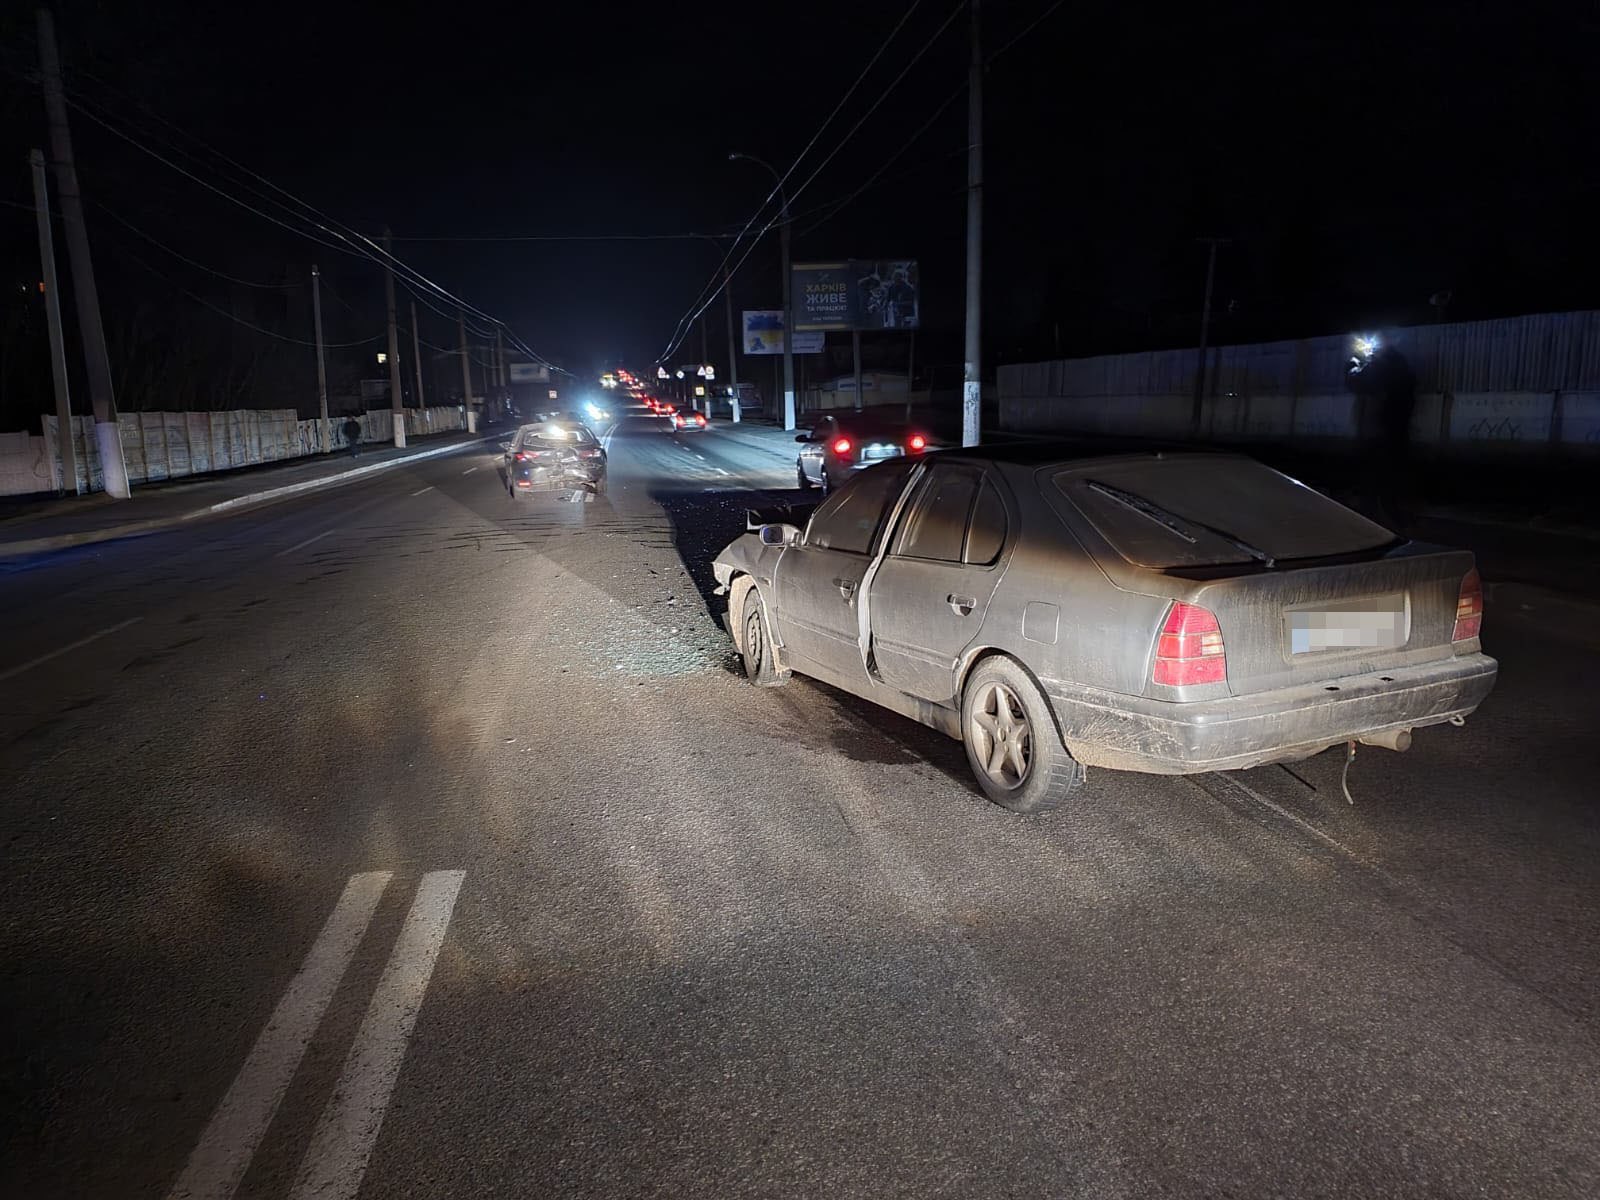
{"points": [[1513, 386], [1474, 423], [166, 445]]}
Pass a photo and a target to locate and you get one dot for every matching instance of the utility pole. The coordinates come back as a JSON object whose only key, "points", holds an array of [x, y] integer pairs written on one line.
{"points": [[466, 374], [322, 366], [788, 324], [97, 362], [972, 368], [500, 366], [416, 354], [396, 400], [855, 354], [1195, 419], [788, 297], [704, 352], [52, 309], [733, 347]]}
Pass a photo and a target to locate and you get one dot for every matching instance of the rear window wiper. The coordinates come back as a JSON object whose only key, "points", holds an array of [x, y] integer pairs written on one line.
{"points": [[1175, 524]]}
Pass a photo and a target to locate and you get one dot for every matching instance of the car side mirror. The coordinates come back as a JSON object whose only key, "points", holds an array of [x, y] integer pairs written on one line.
{"points": [[803, 438], [779, 535]]}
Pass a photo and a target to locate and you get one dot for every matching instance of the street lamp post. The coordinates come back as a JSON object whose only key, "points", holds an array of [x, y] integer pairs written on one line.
{"points": [[788, 299]]}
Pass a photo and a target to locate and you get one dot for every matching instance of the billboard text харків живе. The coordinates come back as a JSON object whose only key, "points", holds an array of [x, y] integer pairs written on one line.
{"points": [[858, 294]]}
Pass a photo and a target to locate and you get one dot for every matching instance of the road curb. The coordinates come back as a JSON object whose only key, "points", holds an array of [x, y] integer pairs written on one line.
{"points": [[111, 533]]}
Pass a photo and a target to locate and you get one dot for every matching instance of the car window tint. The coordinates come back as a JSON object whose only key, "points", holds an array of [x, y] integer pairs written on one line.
{"points": [[822, 428], [852, 517], [986, 533], [937, 526]]}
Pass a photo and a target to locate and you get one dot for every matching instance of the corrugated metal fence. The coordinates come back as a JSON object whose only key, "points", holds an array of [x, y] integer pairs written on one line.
{"points": [[1514, 384]]}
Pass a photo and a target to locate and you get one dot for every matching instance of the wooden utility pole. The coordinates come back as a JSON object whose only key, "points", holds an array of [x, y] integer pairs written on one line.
{"points": [[325, 428], [396, 400], [65, 441], [97, 362], [972, 370]]}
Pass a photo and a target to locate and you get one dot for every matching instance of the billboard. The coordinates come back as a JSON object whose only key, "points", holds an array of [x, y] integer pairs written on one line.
{"points": [[859, 294], [529, 373], [763, 334]]}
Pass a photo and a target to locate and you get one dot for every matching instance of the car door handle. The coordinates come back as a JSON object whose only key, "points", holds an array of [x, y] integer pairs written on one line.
{"points": [[961, 605], [847, 587]]}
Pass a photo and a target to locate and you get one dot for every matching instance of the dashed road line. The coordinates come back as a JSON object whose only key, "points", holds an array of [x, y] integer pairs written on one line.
{"points": [[419, 491], [223, 1154], [342, 1144], [68, 648], [302, 545], [469, 470]]}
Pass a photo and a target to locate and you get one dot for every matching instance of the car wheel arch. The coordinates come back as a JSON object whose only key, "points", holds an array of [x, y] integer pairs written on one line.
{"points": [[740, 585], [978, 655]]}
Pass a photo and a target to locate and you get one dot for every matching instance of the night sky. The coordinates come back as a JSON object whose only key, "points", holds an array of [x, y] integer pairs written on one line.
{"points": [[1360, 160]]}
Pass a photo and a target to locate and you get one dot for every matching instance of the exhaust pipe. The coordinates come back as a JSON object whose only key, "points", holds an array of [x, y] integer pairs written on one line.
{"points": [[1389, 739]]}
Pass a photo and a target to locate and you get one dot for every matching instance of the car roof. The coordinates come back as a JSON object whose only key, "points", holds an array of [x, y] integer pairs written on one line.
{"points": [[1050, 453]]}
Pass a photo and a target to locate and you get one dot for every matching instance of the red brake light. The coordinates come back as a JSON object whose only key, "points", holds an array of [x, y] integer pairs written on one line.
{"points": [[1189, 649], [841, 446], [1469, 608], [700, 417], [522, 456], [918, 442]]}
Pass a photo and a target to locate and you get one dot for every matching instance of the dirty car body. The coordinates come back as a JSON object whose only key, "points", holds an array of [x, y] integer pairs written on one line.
{"points": [[554, 455], [1166, 612]]}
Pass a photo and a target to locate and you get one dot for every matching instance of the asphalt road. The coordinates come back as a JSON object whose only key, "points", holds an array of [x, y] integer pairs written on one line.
{"points": [[406, 840]]}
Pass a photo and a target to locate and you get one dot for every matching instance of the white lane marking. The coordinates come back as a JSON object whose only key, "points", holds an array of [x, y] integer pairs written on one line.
{"points": [[469, 470], [720, 471], [342, 1144], [67, 649], [419, 491], [302, 545], [701, 457], [223, 1154]]}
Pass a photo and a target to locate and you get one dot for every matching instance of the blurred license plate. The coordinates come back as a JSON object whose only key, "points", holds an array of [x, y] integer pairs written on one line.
{"points": [[1375, 623], [879, 450]]}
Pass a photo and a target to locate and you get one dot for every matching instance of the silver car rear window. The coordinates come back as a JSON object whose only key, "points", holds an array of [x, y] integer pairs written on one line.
{"points": [[1174, 512]]}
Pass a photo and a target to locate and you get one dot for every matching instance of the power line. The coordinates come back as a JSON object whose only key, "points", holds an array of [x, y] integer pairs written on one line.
{"points": [[682, 330], [687, 322], [1024, 31], [129, 225], [203, 302], [344, 233], [838, 206]]}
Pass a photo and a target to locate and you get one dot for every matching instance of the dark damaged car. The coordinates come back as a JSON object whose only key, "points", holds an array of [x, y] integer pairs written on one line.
{"points": [[1058, 608], [554, 456]]}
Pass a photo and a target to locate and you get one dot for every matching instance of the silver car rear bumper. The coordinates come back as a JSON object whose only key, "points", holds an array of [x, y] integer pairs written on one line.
{"points": [[1134, 733]]}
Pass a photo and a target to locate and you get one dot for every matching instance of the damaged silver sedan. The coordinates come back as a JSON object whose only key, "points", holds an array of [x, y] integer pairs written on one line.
{"points": [[1161, 612]]}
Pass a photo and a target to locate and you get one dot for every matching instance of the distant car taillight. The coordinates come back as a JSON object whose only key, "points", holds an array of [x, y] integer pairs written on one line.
{"points": [[841, 447], [918, 442], [1469, 608], [1189, 649], [699, 418]]}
